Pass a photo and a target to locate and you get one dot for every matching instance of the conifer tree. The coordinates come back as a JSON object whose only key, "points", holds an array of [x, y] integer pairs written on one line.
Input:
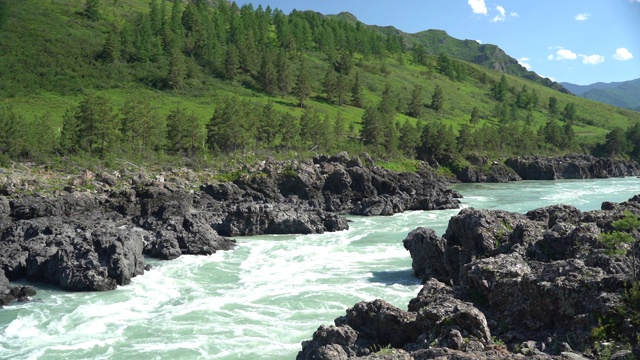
{"points": [[409, 139], [177, 69], [93, 9], [371, 131], [98, 124], [500, 89], [285, 76], [10, 127], [475, 115], [185, 133], [416, 103], [356, 92], [302, 89], [231, 63], [329, 83], [143, 130], [553, 106], [437, 99], [71, 133], [268, 74]]}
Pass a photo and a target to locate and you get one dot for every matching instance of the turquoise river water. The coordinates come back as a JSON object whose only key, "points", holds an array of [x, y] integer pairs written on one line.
{"points": [[265, 297]]}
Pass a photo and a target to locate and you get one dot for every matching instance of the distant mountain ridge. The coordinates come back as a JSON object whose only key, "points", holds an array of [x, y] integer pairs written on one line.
{"points": [[625, 94], [438, 41]]}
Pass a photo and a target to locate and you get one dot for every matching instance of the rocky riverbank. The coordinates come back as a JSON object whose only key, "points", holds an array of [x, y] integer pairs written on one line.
{"points": [[547, 168], [94, 234], [555, 283]]}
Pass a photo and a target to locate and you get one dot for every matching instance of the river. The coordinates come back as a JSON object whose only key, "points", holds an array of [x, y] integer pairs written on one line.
{"points": [[262, 299]]}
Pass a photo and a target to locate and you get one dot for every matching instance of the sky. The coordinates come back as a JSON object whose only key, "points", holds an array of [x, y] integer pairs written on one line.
{"points": [[576, 41]]}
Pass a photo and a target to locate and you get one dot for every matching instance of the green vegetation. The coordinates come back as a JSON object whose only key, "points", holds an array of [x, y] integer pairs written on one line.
{"points": [[622, 234], [190, 82]]}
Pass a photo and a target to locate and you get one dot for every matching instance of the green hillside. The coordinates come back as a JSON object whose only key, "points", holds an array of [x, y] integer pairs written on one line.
{"points": [[157, 81]]}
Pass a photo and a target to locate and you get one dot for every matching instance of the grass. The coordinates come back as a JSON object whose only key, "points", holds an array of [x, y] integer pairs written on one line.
{"points": [[44, 70]]}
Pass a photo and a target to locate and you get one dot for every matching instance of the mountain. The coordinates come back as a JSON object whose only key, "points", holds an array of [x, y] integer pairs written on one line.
{"points": [[438, 41], [624, 94], [256, 81]]}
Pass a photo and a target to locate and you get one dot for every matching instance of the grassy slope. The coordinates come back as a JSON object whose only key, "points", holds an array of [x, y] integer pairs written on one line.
{"points": [[50, 74]]}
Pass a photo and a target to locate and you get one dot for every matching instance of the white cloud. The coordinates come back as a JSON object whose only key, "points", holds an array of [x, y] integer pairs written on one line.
{"points": [[623, 54], [565, 54], [550, 57], [478, 6], [582, 16], [500, 17], [514, 14], [524, 62], [592, 59]]}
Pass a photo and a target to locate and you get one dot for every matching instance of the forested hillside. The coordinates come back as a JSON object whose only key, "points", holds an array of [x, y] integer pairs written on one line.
{"points": [[172, 82]]}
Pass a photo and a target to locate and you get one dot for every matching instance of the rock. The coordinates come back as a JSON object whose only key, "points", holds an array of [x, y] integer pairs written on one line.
{"points": [[340, 158], [497, 173], [529, 279], [383, 323], [427, 251], [73, 255], [571, 167]]}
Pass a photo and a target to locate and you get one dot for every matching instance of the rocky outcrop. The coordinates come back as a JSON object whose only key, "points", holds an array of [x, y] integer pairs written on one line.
{"points": [[97, 240], [571, 167], [494, 173], [508, 285]]}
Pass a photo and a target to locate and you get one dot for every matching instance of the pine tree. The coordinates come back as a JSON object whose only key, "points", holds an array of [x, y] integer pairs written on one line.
{"points": [[290, 131], [475, 115], [93, 9], [500, 89], [569, 112], [228, 128], [185, 133], [437, 99], [231, 63], [268, 74], [416, 103], [111, 48], [71, 133], [143, 130], [302, 89], [553, 106], [311, 132], [329, 84], [409, 139], [267, 125], [356, 92], [11, 124], [177, 69], [371, 131], [99, 126], [285, 76], [341, 89]]}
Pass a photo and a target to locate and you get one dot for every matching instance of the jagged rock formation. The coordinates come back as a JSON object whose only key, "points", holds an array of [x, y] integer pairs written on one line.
{"points": [[539, 282], [88, 241]]}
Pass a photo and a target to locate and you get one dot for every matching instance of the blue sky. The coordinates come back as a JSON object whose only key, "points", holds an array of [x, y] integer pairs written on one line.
{"points": [[577, 41]]}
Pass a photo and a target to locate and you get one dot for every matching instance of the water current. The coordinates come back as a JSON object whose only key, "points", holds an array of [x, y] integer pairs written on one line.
{"points": [[265, 297]]}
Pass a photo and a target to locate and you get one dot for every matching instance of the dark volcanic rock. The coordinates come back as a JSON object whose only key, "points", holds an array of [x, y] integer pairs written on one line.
{"points": [[497, 173], [571, 167], [74, 255], [531, 280], [81, 240]]}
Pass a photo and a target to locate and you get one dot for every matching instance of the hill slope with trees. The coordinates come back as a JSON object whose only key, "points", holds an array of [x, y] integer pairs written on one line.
{"points": [[160, 81]]}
